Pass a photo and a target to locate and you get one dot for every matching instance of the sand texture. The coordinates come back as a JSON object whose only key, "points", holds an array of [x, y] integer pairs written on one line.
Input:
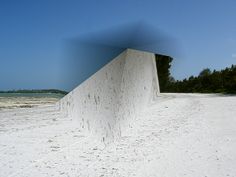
{"points": [[178, 135]]}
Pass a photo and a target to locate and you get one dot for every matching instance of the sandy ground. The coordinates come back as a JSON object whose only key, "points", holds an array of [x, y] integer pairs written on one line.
{"points": [[179, 135]]}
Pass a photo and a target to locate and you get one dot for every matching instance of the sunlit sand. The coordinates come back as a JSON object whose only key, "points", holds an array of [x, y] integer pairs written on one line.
{"points": [[178, 135]]}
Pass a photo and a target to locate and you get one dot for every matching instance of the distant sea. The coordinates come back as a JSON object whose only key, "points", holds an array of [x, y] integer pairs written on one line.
{"points": [[27, 100], [35, 95]]}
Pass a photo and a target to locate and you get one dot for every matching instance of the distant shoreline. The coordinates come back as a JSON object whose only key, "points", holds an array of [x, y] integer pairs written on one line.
{"points": [[46, 91]]}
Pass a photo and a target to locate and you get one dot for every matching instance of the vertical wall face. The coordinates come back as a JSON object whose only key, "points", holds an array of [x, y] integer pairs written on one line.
{"points": [[106, 104], [139, 86]]}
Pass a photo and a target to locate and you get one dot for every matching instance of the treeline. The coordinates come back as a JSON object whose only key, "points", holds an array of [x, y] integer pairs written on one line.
{"points": [[223, 81], [55, 91]]}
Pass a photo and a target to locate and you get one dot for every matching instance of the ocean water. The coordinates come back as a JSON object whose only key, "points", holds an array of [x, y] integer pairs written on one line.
{"points": [[27, 100], [35, 95]]}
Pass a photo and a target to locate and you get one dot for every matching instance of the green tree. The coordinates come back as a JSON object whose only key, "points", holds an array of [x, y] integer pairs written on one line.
{"points": [[223, 81], [163, 64]]}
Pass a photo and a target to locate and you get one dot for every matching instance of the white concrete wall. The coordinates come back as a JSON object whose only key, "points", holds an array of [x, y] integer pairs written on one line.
{"points": [[106, 104]]}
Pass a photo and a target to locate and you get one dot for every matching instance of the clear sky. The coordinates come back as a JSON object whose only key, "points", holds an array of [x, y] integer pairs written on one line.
{"points": [[33, 34]]}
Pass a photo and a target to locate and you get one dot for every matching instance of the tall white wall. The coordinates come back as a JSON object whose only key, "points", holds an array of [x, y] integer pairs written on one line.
{"points": [[106, 104]]}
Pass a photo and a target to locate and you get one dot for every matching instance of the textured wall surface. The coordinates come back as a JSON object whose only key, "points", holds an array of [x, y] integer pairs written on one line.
{"points": [[107, 103]]}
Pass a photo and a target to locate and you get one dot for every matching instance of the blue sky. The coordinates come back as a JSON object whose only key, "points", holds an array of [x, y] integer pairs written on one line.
{"points": [[33, 34]]}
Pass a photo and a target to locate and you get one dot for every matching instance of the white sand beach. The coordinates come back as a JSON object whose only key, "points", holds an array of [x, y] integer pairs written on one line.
{"points": [[179, 135]]}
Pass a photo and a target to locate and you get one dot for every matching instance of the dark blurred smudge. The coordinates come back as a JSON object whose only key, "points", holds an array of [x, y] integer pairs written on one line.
{"points": [[88, 53]]}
